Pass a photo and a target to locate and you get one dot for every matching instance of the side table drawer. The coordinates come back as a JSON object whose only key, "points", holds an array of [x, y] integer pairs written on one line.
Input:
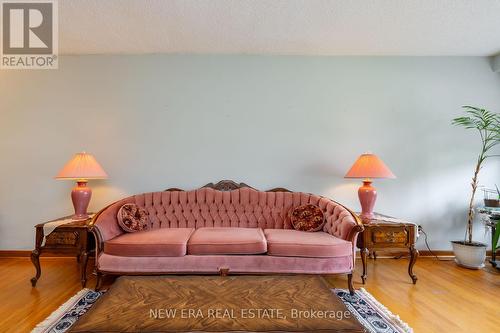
{"points": [[389, 236], [67, 238]]}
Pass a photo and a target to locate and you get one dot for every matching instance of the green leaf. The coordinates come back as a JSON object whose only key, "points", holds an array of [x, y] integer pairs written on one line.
{"points": [[496, 236]]}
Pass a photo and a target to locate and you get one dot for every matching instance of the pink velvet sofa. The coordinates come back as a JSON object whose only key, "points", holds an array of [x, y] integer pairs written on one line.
{"points": [[225, 228]]}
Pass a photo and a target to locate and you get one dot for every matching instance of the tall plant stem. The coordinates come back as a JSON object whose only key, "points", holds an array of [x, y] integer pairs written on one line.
{"points": [[471, 203]]}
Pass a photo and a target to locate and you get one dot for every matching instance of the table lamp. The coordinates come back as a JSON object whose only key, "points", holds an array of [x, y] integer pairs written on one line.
{"points": [[368, 166], [81, 168]]}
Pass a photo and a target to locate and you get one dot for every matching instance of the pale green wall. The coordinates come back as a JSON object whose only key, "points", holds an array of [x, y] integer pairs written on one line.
{"points": [[161, 121], [495, 63]]}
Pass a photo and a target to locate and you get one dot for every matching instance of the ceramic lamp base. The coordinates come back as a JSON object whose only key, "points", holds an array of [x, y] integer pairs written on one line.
{"points": [[367, 196], [80, 195]]}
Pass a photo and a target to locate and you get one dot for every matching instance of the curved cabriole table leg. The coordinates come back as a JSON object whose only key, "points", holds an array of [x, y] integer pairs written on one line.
{"points": [[364, 258], [413, 260], [83, 268], [35, 255], [35, 259]]}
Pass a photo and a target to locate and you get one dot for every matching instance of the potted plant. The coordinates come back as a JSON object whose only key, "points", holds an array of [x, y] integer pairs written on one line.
{"points": [[468, 253]]}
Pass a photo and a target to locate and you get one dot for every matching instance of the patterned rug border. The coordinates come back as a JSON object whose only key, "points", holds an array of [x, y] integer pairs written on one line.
{"points": [[49, 325], [55, 316], [394, 320]]}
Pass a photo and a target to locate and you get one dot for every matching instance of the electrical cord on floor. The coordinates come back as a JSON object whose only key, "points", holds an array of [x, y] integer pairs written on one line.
{"points": [[421, 229]]}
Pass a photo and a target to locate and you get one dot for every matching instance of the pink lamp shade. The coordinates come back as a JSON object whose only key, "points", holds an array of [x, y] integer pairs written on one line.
{"points": [[81, 168], [368, 166]]}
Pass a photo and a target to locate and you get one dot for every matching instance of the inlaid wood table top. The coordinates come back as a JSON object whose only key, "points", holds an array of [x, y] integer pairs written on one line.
{"points": [[218, 304]]}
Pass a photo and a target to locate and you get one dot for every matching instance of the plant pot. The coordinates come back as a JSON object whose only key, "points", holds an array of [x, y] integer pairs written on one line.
{"points": [[492, 202], [469, 255]]}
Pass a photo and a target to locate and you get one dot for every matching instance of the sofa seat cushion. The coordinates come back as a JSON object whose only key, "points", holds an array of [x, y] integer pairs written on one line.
{"points": [[227, 241], [165, 242], [293, 243]]}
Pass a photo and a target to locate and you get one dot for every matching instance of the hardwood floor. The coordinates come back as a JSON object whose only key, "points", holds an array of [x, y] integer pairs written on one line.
{"points": [[446, 298]]}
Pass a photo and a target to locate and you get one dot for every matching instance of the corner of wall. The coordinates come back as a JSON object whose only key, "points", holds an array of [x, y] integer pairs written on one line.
{"points": [[495, 63]]}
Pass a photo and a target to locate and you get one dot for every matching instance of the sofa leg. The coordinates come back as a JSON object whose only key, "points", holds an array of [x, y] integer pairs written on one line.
{"points": [[224, 271], [98, 281], [349, 283]]}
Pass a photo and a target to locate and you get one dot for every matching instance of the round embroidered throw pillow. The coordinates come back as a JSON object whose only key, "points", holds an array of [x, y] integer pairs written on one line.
{"points": [[307, 218], [132, 218]]}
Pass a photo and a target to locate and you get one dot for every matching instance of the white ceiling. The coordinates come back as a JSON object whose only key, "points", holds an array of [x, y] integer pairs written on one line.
{"points": [[312, 27]]}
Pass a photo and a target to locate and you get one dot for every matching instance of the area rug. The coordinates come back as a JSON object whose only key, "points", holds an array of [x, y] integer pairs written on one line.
{"points": [[372, 315], [67, 314]]}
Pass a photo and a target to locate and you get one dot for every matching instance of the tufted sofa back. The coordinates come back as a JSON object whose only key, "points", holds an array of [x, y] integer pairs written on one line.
{"points": [[244, 207]]}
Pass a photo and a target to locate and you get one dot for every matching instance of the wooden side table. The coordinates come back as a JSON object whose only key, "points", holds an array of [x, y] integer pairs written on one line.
{"points": [[68, 239], [386, 233]]}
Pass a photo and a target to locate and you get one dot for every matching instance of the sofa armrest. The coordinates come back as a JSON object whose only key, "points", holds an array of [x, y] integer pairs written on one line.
{"points": [[343, 223], [104, 224], [355, 230]]}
